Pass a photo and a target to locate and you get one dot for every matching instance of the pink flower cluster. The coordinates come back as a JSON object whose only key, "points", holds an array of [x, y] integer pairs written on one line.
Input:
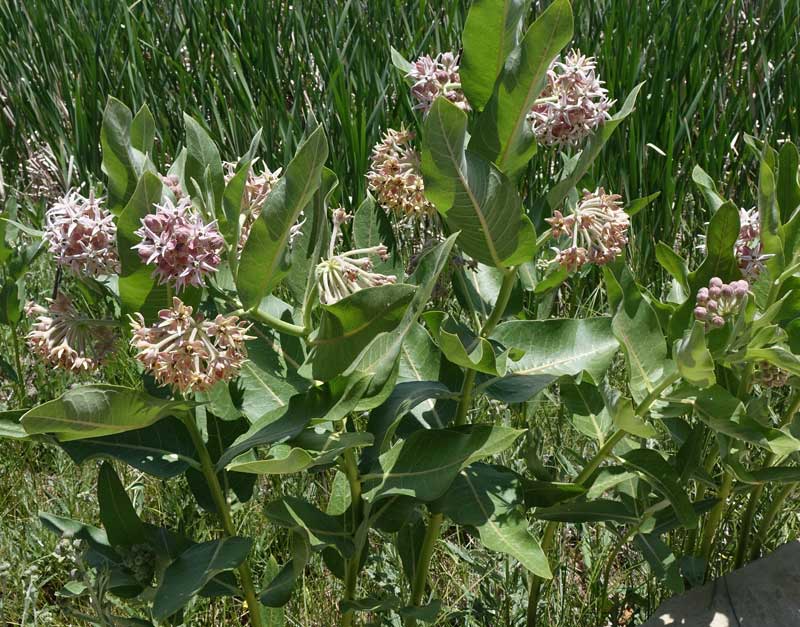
{"points": [[82, 235], [344, 274], [770, 376], [189, 352], [748, 249], [596, 230], [256, 189], [719, 301], [434, 77], [574, 102], [64, 338], [182, 247], [394, 175]]}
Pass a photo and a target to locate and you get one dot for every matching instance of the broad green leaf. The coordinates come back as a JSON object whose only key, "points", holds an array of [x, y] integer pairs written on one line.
{"points": [[195, 568], [481, 287], [474, 197], [625, 419], [383, 420], [426, 613], [10, 426], [673, 263], [425, 464], [588, 412], [163, 449], [724, 413], [503, 133], [399, 61], [546, 493], [231, 209], [10, 305], [318, 528], [311, 448], [490, 498], [463, 348], [372, 227], [770, 219], [280, 425], [93, 411], [137, 287], [349, 325], [559, 192], [268, 378], [264, 260], [693, 358], [708, 187], [96, 538], [491, 32], [119, 519], [279, 591], [777, 356], [599, 510], [555, 348], [663, 477], [143, 130], [202, 156], [661, 559], [607, 479], [122, 163]]}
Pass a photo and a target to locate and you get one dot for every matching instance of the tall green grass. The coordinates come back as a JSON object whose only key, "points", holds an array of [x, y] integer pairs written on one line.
{"points": [[714, 70]]}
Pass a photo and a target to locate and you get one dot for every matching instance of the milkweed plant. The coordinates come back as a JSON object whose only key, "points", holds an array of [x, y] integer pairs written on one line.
{"points": [[276, 332]]}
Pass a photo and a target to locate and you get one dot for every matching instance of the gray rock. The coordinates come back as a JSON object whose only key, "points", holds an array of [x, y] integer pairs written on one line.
{"points": [[765, 593]]}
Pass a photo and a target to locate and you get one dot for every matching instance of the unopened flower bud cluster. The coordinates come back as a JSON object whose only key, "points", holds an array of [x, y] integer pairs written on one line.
{"points": [[770, 375], [720, 301]]}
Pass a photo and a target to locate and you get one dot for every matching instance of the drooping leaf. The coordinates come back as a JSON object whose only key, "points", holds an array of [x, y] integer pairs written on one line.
{"points": [[349, 325], [503, 134], [463, 348], [491, 32], [97, 410], [661, 559], [491, 499], [264, 261], [319, 529], [425, 464], [195, 568], [598, 510], [587, 408], [163, 449], [474, 197], [693, 358], [119, 518]]}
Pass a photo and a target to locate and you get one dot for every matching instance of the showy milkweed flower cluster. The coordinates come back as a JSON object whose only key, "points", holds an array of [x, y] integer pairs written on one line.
{"points": [[189, 352], [64, 338], [434, 77], [574, 103], [81, 235], [596, 230], [394, 175], [181, 246], [719, 301], [256, 189], [347, 273], [748, 249]]}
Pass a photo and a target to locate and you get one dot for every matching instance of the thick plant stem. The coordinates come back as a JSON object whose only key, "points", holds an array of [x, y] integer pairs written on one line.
{"points": [[589, 469], [350, 469], [18, 366], [276, 323], [207, 467], [507, 286], [714, 518], [421, 574]]}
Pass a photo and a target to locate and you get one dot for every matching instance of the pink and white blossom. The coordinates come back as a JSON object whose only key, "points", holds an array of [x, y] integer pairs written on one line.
{"points": [[573, 105], [595, 231], [434, 77], [188, 352], [183, 249], [65, 338], [81, 235]]}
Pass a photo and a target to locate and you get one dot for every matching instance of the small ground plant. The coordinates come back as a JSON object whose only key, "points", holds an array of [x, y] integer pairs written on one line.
{"points": [[394, 350]]}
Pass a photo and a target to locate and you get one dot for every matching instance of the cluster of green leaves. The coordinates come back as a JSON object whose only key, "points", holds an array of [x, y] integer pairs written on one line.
{"points": [[381, 390]]}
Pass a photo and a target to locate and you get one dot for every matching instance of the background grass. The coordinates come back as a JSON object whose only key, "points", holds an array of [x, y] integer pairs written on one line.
{"points": [[714, 70]]}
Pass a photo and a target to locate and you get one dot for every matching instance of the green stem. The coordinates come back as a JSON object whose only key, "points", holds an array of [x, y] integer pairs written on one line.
{"points": [[758, 490], [350, 469], [276, 323], [507, 286], [18, 366], [714, 518], [584, 476], [421, 575], [209, 472]]}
